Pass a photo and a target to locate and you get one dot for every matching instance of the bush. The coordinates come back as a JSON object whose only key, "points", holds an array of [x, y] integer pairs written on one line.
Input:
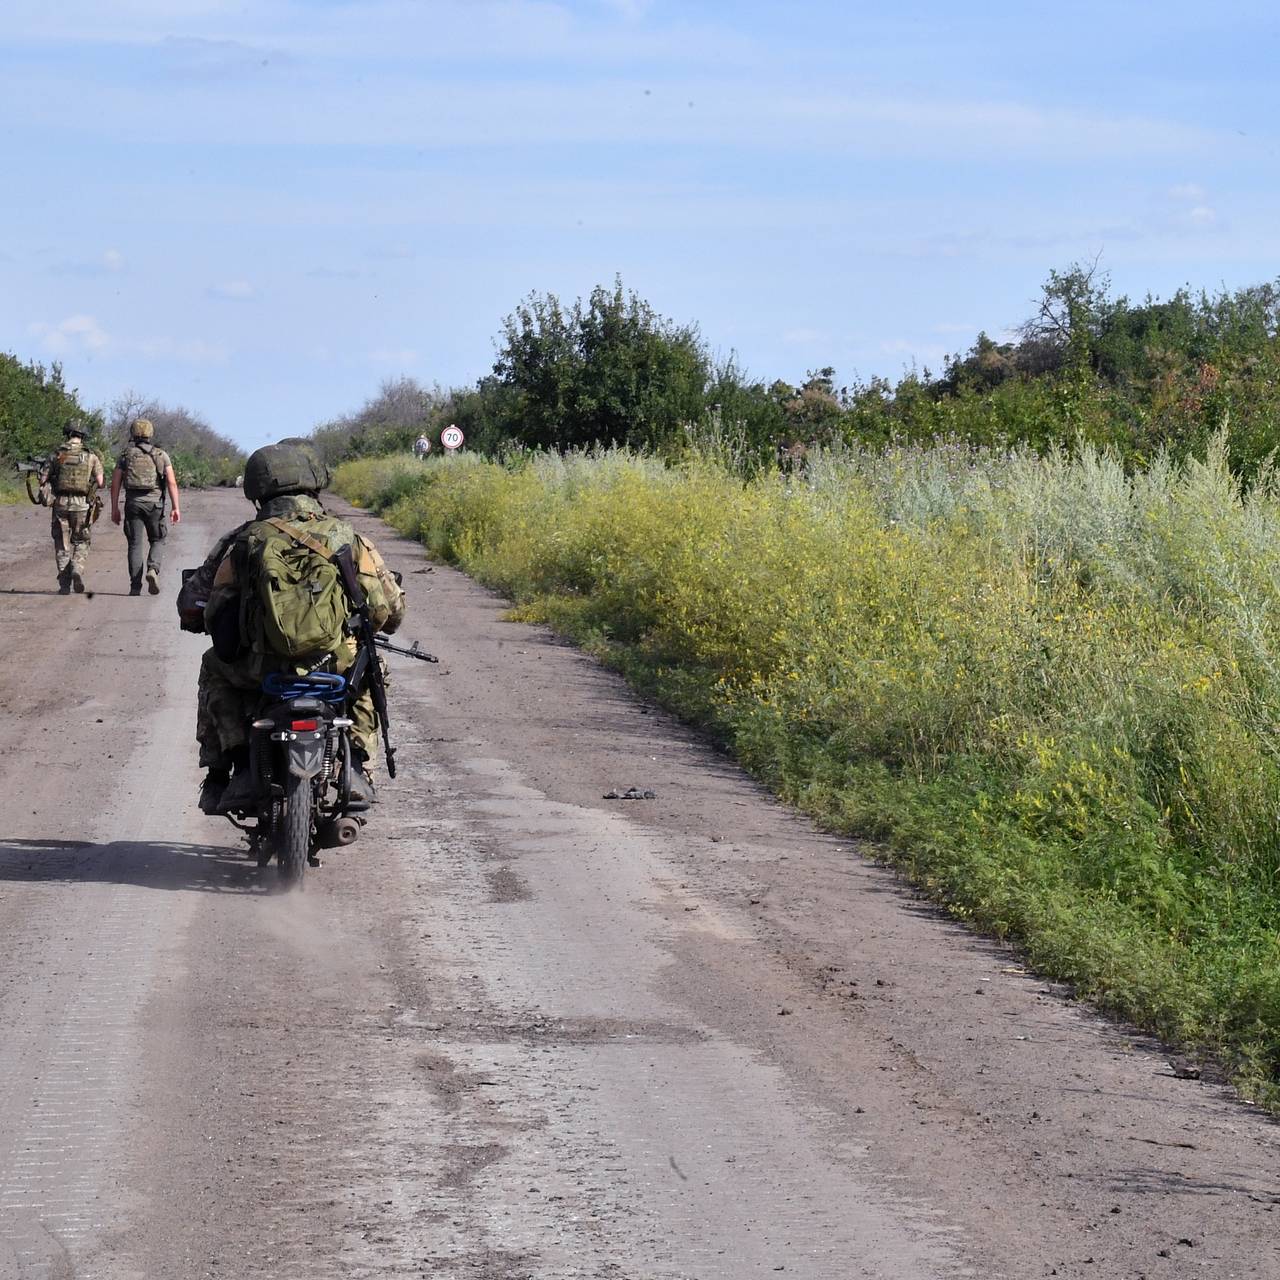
{"points": [[35, 405]]}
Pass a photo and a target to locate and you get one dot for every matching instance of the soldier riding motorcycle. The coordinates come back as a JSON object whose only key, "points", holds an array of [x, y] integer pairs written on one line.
{"points": [[292, 691]]}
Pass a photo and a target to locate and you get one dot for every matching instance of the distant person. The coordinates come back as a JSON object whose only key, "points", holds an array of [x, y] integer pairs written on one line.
{"points": [[146, 474], [422, 447], [74, 476]]}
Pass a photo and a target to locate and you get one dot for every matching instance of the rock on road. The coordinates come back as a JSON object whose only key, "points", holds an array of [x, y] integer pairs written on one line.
{"points": [[520, 1030]]}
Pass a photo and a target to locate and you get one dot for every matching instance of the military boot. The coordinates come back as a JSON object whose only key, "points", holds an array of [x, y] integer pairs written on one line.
{"points": [[77, 581], [242, 790], [211, 789], [64, 583], [362, 787]]}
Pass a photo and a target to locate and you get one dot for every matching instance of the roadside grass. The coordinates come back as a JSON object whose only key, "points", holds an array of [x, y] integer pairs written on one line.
{"points": [[376, 483], [1048, 688]]}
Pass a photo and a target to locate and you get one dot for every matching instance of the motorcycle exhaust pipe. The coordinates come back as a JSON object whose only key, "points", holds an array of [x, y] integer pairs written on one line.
{"points": [[338, 832]]}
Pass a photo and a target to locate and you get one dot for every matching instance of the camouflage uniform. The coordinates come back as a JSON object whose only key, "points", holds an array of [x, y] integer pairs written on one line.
{"points": [[230, 691], [74, 474]]}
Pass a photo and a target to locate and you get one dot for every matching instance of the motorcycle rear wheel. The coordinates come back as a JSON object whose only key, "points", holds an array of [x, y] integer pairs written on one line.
{"points": [[294, 831]]}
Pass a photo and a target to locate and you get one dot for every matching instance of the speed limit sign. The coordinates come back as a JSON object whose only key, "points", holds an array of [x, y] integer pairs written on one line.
{"points": [[451, 437]]}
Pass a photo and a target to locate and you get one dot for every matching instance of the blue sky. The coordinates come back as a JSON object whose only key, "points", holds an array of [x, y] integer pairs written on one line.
{"points": [[259, 211]]}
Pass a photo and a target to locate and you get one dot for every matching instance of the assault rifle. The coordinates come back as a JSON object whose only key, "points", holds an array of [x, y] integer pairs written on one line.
{"points": [[366, 666], [413, 651], [31, 469]]}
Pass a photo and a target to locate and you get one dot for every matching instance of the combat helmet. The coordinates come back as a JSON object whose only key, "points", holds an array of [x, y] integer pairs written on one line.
{"points": [[74, 427], [141, 429], [292, 466]]}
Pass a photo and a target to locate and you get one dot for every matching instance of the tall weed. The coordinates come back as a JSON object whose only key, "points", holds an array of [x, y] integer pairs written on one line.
{"points": [[1049, 686]]}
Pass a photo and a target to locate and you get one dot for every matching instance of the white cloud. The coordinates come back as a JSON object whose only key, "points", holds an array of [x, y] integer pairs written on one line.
{"points": [[928, 353], [235, 290], [81, 334], [630, 9], [400, 357], [111, 262], [226, 39], [196, 56], [1202, 216], [183, 350], [78, 333], [1187, 191], [323, 103]]}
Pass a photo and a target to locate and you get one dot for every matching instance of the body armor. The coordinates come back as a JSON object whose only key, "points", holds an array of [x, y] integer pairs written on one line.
{"points": [[73, 473]]}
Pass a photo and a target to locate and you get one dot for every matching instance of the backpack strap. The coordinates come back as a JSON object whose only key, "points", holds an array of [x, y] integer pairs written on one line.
{"points": [[301, 536]]}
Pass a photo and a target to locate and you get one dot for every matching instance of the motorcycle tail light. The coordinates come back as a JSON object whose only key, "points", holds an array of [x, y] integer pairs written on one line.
{"points": [[302, 726]]}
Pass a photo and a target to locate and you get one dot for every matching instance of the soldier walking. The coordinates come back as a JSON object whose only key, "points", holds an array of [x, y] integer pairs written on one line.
{"points": [[74, 476], [146, 475]]}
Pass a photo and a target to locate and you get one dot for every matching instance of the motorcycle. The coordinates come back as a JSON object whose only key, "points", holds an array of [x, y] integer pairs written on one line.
{"points": [[301, 764], [300, 760]]}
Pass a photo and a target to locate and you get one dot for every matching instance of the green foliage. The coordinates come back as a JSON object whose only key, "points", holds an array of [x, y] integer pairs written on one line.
{"points": [[378, 482], [605, 372], [388, 423], [35, 404], [1087, 368], [1048, 683], [201, 457]]}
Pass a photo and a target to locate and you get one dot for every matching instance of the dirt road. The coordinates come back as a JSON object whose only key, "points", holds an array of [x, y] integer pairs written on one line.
{"points": [[520, 1030]]}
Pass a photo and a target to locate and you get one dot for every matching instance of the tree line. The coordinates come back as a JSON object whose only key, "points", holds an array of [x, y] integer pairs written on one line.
{"points": [[1087, 366], [36, 403]]}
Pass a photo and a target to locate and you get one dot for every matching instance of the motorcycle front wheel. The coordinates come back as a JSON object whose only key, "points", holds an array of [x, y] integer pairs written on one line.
{"points": [[294, 831]]}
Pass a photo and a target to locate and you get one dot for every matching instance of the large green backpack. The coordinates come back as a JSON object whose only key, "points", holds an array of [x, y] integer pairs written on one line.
{"points": [[294, 602]]}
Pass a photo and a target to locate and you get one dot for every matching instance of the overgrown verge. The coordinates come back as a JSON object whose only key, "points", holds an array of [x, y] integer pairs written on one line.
{"points": [[1048, 687]]}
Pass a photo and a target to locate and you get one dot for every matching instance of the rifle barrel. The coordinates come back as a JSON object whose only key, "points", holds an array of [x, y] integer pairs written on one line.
{"points": [[413, 651]]}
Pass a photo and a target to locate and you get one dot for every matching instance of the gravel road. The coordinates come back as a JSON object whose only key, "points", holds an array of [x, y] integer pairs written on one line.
{"points": [[521, 1031]]}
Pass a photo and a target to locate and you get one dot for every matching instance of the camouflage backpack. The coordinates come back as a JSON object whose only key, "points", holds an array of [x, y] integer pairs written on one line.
{"points": [[72, 473], [141, 468], [292, 600]]}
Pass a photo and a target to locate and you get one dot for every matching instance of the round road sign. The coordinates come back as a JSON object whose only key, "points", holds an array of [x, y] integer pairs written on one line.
{"points": [[451, 437]]}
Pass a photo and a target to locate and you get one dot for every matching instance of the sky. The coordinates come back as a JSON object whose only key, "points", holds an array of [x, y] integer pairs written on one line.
{"points": [[260, 210]]}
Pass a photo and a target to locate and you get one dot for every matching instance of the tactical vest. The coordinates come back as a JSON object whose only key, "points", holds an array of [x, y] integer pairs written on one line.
{"points": [[73, 473], [141, 469]]}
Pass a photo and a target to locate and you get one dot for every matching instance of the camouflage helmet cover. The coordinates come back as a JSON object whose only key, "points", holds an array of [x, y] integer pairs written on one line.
{"points": [[73, 427], [141, 429], [292, 466]]}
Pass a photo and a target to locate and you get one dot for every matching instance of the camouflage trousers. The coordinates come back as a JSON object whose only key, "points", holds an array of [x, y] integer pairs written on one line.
{"points": [[229, 696], [70, 529]]}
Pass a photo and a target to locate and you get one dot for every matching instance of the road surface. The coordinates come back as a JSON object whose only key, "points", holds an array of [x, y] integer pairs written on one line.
{"points": [[521, 1031]]}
